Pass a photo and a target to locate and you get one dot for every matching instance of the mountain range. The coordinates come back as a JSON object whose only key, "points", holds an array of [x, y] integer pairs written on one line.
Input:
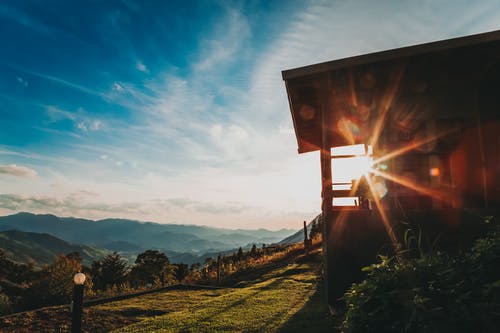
{"points": [[40, 249], [185, 243]]}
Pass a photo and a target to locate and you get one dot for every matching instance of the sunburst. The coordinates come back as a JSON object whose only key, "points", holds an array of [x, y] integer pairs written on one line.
{"points": [[370, 170]]}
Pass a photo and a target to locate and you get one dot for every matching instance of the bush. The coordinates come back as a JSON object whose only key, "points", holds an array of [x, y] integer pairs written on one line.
{"points": [[5, 305], [53, 285], [432, 293]]}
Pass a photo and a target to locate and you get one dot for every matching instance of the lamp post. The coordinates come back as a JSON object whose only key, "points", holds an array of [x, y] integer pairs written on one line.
{"points": [[77, 308]]}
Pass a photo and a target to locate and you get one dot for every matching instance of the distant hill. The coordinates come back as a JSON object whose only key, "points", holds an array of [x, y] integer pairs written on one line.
{"points": [[41, 248], [299, 235], [131, 237]]}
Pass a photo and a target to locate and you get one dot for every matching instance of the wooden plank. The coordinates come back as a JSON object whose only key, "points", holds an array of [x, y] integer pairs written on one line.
{"points": [[342, 193]]}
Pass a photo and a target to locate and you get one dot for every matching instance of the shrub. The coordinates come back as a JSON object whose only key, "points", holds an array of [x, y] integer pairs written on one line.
{"points": [[5, 305], [53, 285], [434, 292]]}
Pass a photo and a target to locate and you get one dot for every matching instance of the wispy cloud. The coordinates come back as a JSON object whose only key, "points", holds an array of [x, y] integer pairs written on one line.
{"points": [[22, 81], [118, 87], [83, 203], [70, 205], [227, 40], [58, 80], [139, 65], [25, 20], [56, 114], [191, 205], [93, 125], [80, 118], [209, 139], [186, 110], [18, 171], [65, 161]]}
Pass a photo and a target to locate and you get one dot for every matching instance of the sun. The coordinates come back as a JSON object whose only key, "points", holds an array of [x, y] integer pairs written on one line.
{"points": [[349, 165]]}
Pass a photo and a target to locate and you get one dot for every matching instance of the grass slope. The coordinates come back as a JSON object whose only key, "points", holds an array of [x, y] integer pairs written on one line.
{"points": [[267, 305], [287, 298]]}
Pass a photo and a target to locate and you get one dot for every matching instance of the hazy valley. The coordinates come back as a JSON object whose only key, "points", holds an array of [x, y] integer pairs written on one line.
{"points": [[39, 237]]}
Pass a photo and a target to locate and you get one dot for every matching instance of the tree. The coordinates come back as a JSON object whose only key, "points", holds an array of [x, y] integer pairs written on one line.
{"points": [[54, 284], [14, 272], [239, 255], [210, 264], [253, 251], [181, 271], [110, 271], [151, 265], [96, 271]]}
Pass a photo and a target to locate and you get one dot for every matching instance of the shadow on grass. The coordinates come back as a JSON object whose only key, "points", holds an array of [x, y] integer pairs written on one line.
{"points": [[261, 274], [314, 317], [247, 278]]}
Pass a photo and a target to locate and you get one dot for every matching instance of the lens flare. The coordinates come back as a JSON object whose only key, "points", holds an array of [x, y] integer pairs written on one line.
{"points": [[363, 166]]}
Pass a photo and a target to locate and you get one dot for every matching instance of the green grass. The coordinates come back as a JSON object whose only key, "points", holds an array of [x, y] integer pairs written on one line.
{"points": [[280, 298], [268, 305]]}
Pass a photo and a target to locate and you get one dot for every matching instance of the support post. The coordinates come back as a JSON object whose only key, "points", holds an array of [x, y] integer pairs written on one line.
{"points": [[77, 308], [77, 303], [306, 240], [326, 189]]}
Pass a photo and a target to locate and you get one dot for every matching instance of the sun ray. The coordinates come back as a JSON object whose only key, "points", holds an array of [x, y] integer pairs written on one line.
{"points": [[352, 90], [444, 195], [340, 222], [385, 105], [412, 146], [383, 216]]}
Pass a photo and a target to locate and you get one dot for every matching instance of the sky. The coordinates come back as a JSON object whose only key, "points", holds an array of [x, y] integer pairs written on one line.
{"points": [[176, 111]]}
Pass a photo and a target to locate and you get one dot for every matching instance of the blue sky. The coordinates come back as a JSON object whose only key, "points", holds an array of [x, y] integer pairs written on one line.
{"points": [[175, 111]]}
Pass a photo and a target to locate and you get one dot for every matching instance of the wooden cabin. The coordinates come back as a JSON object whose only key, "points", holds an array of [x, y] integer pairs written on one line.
{"points": [[410, 133]]}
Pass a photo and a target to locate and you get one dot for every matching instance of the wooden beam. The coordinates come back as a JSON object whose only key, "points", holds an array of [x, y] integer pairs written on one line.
{"points": [[326, 186]]}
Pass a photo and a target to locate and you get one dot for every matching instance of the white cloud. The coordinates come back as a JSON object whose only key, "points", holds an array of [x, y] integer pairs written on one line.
{"points": [[231, 147], [141, 67], [18, 171], [57, 114], [232, 140], [74, 204], [82, 126], [214, 208], [95, 125], [89, 125], [80, 118], [227, 40], [118, 87], [22, 81]]}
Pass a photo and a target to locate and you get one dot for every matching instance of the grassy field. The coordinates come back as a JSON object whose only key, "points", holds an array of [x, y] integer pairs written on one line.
{"points": [[285, 298], [266, 305]]}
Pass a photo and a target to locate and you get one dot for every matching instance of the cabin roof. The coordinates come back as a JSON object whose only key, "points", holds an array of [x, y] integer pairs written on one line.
{"points": [[308, 87]]}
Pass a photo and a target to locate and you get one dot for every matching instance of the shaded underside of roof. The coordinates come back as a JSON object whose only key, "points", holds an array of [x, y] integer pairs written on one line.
{"points": [[395, 90]]}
